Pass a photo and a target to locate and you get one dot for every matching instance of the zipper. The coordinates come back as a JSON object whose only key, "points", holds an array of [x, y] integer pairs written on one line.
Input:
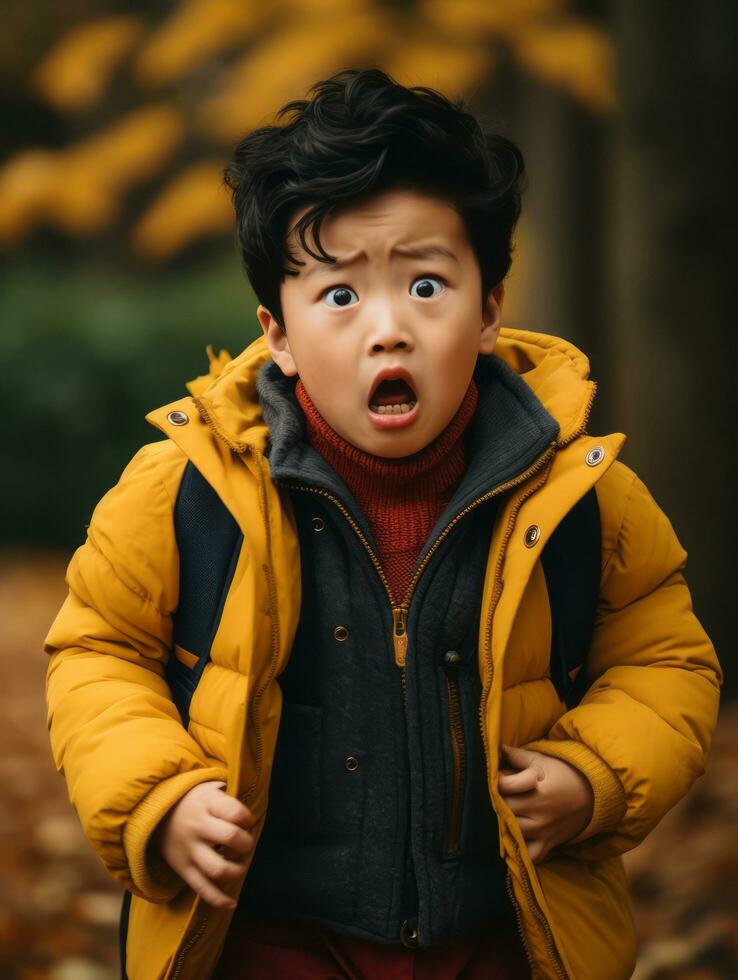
{"points": [[487, 646], [269, 573], [188, 946], [458, 749]]}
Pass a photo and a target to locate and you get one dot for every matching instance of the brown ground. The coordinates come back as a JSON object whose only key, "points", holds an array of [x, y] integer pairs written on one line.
{"points": [[59, 908]]}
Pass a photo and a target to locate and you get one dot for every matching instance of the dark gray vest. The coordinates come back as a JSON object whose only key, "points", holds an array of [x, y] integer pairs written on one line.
{"points": [[379, 812]]}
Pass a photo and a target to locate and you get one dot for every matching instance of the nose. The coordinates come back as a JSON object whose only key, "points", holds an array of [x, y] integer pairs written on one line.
{"points": [[388, 330]]}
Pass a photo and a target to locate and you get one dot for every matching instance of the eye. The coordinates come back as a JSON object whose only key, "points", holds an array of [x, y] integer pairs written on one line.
{"points": [[338, 296], [426, 287]]}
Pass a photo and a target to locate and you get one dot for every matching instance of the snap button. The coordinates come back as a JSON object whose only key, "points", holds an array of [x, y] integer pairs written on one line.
{"points": [[178, 418], [595, 455], [318, 524], [532, 534], [340, 633], [351, 763], [451, 658], [408, 935]]}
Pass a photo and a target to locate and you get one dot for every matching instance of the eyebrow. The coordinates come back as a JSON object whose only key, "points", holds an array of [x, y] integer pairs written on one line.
{"points": [[406, 251]]}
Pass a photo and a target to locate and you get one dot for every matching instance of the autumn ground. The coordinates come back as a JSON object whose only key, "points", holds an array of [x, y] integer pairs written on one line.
{"points": [[59, 908]]}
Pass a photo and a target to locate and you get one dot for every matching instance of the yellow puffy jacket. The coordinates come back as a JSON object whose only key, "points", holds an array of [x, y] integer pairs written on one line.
{"points": [[640, 734]]}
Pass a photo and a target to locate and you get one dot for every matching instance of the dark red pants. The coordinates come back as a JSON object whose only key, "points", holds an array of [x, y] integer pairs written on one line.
{"points": [[264, 949]]}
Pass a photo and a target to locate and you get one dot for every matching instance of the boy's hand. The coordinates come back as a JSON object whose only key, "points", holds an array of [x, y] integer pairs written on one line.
{"points": [[552, 801], [204, 819]]}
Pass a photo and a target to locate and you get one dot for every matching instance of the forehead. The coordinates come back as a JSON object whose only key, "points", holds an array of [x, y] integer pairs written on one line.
{"points": [[391, 217]]}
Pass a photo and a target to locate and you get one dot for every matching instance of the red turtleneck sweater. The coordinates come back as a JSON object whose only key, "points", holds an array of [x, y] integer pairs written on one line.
{"points": [[401, 498]]}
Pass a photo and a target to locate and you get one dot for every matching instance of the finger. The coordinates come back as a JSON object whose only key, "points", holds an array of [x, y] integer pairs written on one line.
{"points": [[522, 758], [200, 884], [518, 782], [216, 868], [229, 808], [230, 835], [523, 805]]}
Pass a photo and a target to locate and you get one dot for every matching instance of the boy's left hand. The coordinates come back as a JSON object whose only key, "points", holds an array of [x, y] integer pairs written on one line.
{"points": [[552, 801]]}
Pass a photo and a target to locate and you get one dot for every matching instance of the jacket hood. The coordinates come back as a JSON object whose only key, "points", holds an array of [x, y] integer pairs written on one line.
{"points": [[556, 371]]}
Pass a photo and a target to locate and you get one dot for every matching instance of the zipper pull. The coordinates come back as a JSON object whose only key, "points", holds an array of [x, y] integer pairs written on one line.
{"points": [[399, 635]]}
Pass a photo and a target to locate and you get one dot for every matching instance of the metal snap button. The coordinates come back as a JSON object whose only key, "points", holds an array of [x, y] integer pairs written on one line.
{"points": [[340, 633], [532, 534], [408, 935], [595, 455], [351, 763], [318, 524], [178, 418], [451, 657]]}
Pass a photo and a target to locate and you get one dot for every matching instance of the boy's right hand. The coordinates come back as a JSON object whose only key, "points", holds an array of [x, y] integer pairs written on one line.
{"points": [[204, 819]]}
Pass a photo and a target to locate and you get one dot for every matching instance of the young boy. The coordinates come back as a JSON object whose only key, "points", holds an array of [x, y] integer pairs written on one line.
{"points": [[381, 670]]}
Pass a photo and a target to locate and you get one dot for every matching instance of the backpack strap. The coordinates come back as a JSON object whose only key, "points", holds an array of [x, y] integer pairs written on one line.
{"points": [[571, 563], [209, 542]]}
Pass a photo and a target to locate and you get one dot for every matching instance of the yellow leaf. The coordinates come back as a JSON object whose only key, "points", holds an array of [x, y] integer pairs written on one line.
{"points": [[193, 204], [26, 183], [450, 68], [196, 33], [76, 73], [284, 65], [472, 18], [575, 55]]}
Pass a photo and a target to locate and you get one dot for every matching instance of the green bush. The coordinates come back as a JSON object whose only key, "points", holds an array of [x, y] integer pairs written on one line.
{"points": [[84, 356]]}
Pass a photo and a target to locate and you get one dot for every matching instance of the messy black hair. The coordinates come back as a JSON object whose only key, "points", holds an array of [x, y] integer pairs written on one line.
{"points": [[362, 133]]}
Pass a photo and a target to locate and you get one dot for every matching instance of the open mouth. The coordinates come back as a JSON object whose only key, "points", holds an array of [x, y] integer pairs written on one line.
{"points": [[392, 396]]}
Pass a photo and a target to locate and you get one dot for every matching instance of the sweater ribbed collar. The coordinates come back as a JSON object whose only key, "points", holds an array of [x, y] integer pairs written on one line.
{"points": [[431, 472]]}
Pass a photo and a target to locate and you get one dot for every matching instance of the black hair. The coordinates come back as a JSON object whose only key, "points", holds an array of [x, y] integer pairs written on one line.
{"points": [[362, 133]]}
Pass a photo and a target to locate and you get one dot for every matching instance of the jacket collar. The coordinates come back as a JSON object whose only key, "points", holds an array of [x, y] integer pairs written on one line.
{"points": [[555, 371]]}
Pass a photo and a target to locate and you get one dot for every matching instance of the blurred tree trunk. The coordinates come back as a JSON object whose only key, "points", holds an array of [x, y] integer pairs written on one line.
{"points": [[672, 284]]}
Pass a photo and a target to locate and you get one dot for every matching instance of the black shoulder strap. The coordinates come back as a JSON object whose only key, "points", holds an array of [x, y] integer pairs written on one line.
{"points": [[571, 563], [209, 542]]}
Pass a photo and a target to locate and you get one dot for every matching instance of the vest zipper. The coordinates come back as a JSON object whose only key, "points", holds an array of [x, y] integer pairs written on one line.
{"points": [[399, 613], [458, 748]]}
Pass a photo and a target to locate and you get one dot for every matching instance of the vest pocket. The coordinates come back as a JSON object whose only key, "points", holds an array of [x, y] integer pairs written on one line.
{"points": [[295, 790]]}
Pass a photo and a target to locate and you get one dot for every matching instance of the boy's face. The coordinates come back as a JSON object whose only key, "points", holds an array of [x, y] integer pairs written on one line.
{"points": [[384, 307]]}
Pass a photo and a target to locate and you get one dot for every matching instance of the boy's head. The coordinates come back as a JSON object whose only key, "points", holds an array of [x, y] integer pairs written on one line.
{"points": [[375, 228]]}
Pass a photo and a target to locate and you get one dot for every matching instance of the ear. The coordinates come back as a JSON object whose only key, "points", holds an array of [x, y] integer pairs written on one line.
{"points": [[277, 342], [491, 319]]}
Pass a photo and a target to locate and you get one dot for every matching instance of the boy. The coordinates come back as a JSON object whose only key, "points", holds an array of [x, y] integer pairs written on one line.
{"points": [[381, 669]]}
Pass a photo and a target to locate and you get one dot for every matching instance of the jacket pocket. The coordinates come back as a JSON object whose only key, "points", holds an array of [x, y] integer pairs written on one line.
{"points": [[295, 791]]}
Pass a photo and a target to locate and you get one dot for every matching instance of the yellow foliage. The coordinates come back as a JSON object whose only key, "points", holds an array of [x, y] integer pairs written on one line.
{"points": [[79, 188], [195, 33], [575, 55], [284, 65], [76, 73], [195, 204], [25, 184], [470, 18], [449, 68]]}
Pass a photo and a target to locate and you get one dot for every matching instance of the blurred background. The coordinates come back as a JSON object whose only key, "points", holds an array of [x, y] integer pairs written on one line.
{"points": [[119, 267]]}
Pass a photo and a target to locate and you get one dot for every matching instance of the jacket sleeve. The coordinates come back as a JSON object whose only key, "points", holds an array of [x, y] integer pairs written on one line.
{"points": [[115, 732], [642, 731]]}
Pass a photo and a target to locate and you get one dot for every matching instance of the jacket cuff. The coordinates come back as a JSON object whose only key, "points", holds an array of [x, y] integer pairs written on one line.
{"points": [[152, 877], [610, 802]]}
